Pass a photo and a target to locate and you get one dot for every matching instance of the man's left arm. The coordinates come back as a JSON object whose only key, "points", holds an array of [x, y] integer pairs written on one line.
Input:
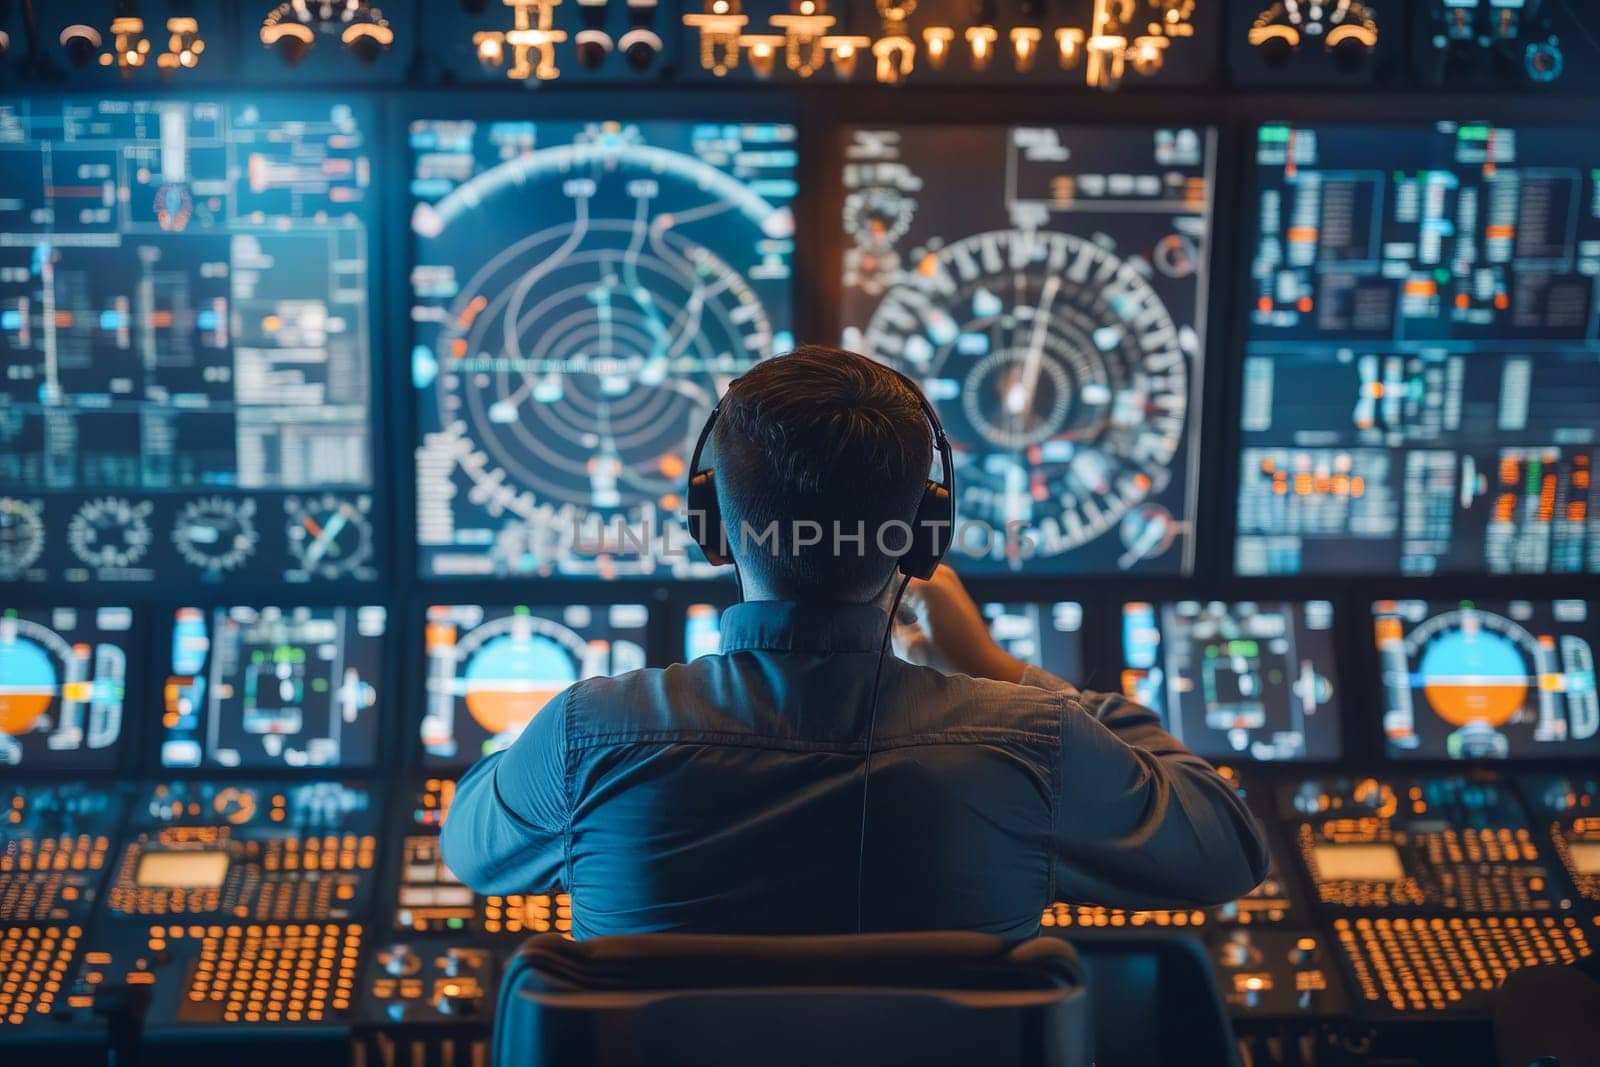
{"points": [[507, 826]]}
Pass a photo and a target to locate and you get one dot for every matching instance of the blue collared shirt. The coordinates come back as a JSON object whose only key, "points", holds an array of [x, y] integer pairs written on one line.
{"points": [[725, 795]]}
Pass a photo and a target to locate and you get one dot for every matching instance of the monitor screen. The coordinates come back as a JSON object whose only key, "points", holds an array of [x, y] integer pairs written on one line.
{"points": [[1044, 634], [1047, 635], [1047, 288], [184, 311], [1421, 387], [63, 681], [1245, 680], [1489, 679], [274, 687], [582, 293], [492, 669]]}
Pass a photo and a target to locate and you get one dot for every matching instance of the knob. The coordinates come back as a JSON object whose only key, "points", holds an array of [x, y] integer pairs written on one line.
{"points": [[457, 998], [1349, 54], [1302, 952], [1236, 951], [1275, 52], [1544, 62], [399, 960]]}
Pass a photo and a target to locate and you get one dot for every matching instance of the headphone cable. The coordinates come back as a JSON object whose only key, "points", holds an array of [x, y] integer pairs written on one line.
{"points": [[872, 723]]}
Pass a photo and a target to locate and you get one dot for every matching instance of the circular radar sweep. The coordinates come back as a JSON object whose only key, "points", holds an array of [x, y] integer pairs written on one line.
{"points": [[110, 532], [1059, 375], [21, 536], [576, 364], [216, 534]]}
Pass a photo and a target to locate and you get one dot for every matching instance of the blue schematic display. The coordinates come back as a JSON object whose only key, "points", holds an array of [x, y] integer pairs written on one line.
{"points": [[184, 307], [582, 294], [1047, 288], [1239, 681], [274, 687], [1489, 679], [492, 669], [63, 683], [1422, 369]]}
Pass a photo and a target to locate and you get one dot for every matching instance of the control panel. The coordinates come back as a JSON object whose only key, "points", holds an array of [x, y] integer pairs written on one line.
{"points": [[1436, 887], [56, 844], [239, 903], [1271, 960]]}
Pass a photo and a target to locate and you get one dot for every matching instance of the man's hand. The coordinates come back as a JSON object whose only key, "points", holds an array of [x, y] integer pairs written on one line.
{"points": [[940, 627]]}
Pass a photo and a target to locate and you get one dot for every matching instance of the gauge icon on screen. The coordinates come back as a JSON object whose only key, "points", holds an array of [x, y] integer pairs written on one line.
{"points": [[110, 532], [215, 534], [21, 535], [329, 537]]}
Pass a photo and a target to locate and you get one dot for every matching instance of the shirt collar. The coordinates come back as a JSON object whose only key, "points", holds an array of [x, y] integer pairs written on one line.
{"points": [[778, 626]]}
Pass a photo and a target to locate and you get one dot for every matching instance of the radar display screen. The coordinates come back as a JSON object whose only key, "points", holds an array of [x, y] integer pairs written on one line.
{"points": [[1047, 635], [1239, 681], [1422, 368], [492, 669], [1047, 288], [63, 681], [274, 687], [582, 293], [1489, 679], [183, 303]]}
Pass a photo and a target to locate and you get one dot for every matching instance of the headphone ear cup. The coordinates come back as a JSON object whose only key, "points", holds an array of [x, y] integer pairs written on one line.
{"points": [[705, 518], [931, 532]]}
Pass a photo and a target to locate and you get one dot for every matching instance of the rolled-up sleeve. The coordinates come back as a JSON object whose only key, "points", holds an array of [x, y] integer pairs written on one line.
{"points": [[507, 828], [1142, 822]]}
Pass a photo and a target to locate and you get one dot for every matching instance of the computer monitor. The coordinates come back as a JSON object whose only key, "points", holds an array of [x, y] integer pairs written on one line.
{"points": [[1419, 386], [184, 310], [490, 670], [1488, 679], [1246, 680], [274, 687], [63, 686], [582, 293], [1046, 287], [1045, 634]]}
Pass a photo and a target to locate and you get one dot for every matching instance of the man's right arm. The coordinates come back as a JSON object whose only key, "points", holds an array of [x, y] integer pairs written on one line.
{"points": [[1142, 822]]}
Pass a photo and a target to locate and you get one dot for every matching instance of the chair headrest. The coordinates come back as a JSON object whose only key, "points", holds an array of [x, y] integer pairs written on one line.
{"points": [[938, 961]]}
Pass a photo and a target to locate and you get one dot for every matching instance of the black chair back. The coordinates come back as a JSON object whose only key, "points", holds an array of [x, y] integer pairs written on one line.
{"points": [[710, 1001]]}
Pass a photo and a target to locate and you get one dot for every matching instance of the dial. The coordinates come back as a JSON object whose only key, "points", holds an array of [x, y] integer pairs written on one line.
{"points": [[110, 533], [235, 805], [878, 216], [1059, 375], [174, 206], [21, 535], [216, 534], [329, 537]]}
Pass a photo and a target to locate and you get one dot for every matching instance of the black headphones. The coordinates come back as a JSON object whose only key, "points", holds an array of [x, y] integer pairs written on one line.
{"points": [[931, 529]]}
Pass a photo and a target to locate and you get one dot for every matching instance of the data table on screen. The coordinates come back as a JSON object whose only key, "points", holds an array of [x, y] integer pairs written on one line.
{"points": [[1419, 387]]}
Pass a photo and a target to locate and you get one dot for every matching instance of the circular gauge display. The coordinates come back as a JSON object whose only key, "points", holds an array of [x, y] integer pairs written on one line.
{"points": [[574, 365], [31, 661], [1059, 375], [174, 206], [329, 536], [216, 534], [1474, 666], [877, 216], [21, 536], [110, 533]]}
